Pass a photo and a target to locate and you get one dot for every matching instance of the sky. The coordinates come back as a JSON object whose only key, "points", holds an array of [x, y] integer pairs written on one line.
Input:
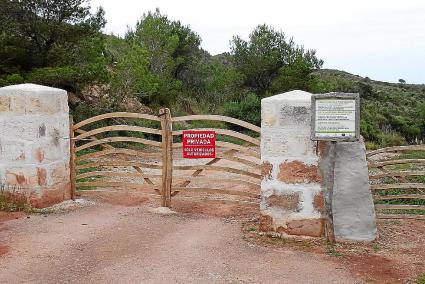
{"points": [[381, 39]]}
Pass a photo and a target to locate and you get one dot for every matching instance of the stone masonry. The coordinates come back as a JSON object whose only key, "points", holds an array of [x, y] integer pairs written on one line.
{"points": [[291, 193], [34, 143]]}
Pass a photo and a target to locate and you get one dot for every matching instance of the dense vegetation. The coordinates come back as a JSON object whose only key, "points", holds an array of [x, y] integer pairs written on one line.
{"points": [[392, 114], [159, 62]]}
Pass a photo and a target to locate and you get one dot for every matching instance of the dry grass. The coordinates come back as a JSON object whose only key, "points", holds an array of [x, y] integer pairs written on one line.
{"points": [[12, 200]]}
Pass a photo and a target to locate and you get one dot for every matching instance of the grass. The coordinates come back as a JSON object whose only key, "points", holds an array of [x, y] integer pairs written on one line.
{"points": [[376, 247], [87, 170], [280, 241], [11, 200], [412, 155], [420, 279], [333, 252], [86, 151]]}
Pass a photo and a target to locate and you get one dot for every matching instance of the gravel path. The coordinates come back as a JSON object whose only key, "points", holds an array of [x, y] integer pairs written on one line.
{"points": [[116, 244]]}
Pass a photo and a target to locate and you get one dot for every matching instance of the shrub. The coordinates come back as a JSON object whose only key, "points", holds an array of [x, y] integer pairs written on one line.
{"points": [[391, 139], [11, 79], [248, 109], [371, 146], [61, 77]]}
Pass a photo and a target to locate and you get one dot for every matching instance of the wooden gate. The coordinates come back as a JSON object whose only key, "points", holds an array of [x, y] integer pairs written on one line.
{"points": [[116, 150], [132, 150], [234, 175]]}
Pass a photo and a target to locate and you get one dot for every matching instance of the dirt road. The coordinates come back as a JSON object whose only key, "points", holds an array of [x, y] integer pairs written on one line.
{"points": [[108, 243]]}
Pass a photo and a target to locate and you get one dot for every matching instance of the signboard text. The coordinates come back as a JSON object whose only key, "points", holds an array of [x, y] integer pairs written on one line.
{"points": [[198, 144]]}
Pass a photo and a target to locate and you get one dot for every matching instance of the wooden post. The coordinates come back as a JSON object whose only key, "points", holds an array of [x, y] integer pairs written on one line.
{"points": [[329, 224], [167, 156], [72, 158]]}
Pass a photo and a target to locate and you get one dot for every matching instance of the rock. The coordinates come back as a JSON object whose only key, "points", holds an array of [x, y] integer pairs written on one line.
{"points": [[133, 105], [95, 94], [162, 210], [353, 209]]}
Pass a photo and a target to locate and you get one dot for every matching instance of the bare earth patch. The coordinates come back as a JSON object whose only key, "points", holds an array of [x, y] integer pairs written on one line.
{"points": [[128, 244], [398, 256], [3, 249], [6, 216], [118, 239]]}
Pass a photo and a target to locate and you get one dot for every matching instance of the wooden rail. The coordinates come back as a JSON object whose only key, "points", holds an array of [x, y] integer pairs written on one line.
{"points": [[398, 186], [218, 168], [400, 206], [95, 167], [114, 174], [110, 150], [245, 150], [400, 183], [255, 165], [115, 151], [396, 162], [102, 141], [396, 149], [216, 190], [397, 174], [130, 128], [218, 180], [118, 164], [229, 155], [141, 187], [115, 115], [198, 172], [109, 147], [218, 118], [400, 216], [399, 196]]}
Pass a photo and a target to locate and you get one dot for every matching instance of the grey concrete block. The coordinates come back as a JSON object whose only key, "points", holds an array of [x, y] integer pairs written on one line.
{"points": [[353, 208]]}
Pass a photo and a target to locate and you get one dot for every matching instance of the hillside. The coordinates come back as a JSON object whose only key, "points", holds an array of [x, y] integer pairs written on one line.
{"points": [[392, 113], [160, 63]]}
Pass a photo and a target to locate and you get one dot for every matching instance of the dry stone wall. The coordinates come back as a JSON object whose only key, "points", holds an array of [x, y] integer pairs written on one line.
{"points": [[34, 143]]}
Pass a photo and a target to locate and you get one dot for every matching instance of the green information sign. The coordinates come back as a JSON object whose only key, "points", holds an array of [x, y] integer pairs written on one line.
{"points": [[335, 117]]}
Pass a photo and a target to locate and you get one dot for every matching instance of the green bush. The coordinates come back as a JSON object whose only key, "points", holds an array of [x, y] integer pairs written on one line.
{"points": [[84, 111], [371, 146], [11, 79], [54, 76], [248, 109], [391, 139], [421, 279]]}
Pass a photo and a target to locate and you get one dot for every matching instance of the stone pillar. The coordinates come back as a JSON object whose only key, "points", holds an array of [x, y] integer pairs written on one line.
{"points": [[352, 205], [291, 192], [34, 143]]}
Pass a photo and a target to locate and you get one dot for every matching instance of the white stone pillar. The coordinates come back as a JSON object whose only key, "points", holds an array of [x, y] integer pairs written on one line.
{"points": [[34, 143], [291, 194]]}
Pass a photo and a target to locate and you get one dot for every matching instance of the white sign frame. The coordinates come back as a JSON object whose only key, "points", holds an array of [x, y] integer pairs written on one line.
{"points": [[353, 134]]}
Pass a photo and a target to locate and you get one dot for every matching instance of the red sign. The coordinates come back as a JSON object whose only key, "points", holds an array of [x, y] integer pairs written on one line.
{"points": [[198, 144]]}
